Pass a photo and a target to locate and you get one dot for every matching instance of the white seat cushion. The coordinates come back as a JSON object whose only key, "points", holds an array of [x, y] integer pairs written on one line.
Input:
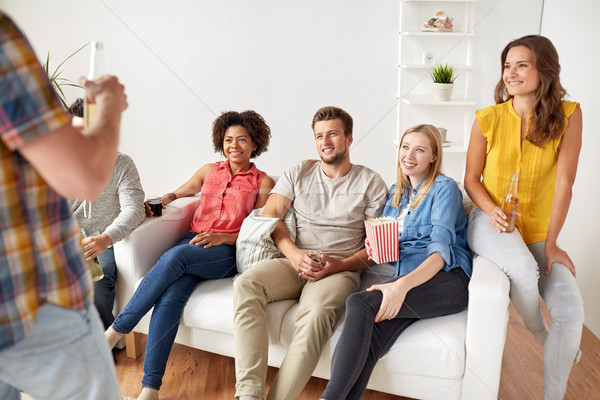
{"points": [[215, 312]]}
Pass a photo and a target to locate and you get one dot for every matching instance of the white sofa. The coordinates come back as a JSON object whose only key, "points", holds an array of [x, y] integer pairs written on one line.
{"points": [[452, 357]]}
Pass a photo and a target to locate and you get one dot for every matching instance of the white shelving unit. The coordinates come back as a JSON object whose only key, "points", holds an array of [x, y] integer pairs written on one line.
{"points": [[415, 98]]}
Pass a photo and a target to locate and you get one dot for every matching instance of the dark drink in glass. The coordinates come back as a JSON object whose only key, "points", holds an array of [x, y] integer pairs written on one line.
{"points": [[156, 207]]}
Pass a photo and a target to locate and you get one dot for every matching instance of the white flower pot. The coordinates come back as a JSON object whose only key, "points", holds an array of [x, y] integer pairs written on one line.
{"points": [[442, 91]]}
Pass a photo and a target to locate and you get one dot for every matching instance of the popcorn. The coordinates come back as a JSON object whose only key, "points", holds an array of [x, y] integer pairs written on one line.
{"points": [[382, 234]]}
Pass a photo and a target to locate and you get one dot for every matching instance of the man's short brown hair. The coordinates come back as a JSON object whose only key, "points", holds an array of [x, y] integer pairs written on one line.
{"points": [[329, 113]]}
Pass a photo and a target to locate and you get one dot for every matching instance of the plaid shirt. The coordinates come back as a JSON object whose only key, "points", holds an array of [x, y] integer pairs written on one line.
{"points": [[40, 251]]}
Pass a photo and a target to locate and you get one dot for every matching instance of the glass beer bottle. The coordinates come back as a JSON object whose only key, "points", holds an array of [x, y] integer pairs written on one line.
{"points": [[96, 69], [94, 265], [510, 203]]}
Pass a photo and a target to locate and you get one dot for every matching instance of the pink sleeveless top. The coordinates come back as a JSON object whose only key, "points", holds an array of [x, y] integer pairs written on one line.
{"points": [[226, 199]]}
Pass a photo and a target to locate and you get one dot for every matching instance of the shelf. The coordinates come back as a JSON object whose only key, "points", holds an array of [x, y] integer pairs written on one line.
{"points": [[440, 1], [454, 149], [427, 100], [437, 34], [429, 66]]}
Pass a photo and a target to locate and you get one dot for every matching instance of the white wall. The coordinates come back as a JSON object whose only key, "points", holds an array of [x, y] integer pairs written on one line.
{"points": [[570, 26], [184, 62]]}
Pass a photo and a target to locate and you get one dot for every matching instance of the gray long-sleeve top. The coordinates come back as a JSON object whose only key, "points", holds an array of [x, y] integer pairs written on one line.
{"points": [[120, 207]]}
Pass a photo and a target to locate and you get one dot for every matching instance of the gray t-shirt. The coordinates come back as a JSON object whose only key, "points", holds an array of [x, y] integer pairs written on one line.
{"points": [[330, 212]]}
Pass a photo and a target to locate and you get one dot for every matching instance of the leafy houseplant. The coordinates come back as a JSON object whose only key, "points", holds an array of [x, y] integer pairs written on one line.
{"points": [[58, 81], [443, 82]]}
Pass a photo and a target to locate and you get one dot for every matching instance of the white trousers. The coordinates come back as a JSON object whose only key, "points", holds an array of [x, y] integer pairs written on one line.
{"points": [[522, 264]]}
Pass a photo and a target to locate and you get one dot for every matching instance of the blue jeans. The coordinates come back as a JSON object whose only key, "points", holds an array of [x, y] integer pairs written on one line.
{"points": [[522, 264], [65, 357], [363, 342], [167, 287], [104, 289]]}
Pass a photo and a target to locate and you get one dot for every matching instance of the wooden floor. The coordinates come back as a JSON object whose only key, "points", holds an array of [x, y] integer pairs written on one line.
{"points": [[193, 374]]}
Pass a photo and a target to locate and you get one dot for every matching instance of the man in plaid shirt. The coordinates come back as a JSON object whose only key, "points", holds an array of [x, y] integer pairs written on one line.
{"points": [[51, 338]]}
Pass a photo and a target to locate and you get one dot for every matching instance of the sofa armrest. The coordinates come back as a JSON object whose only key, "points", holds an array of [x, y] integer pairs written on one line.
{"points": [[487, 320], [139, 251]]}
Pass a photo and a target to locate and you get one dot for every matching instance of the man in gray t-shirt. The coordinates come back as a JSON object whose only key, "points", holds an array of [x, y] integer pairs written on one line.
{"points": [[331, 199]]}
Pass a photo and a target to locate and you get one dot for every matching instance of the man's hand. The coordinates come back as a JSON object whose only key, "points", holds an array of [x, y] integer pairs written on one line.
{"points": [[106, 91], [93, 246], [315, 270]]}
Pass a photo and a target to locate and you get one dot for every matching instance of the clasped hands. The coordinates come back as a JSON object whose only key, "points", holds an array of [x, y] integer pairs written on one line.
{"points": [[312, 270]]}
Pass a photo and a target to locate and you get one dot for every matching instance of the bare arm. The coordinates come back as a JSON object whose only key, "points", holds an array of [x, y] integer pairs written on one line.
{"points": [[189, 188], [266, 185], [395, 292], [476, 154], [79, 165], [568, 158]]}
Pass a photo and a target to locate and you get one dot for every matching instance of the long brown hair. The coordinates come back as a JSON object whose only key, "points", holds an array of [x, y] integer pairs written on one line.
{"points": [[547, 119], [403, 182]]}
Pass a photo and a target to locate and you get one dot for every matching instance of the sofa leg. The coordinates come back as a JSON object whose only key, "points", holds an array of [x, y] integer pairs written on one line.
{"points": [[134, 344]]}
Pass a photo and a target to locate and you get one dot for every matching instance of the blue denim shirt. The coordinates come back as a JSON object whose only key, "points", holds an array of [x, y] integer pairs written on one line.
{"points": [[438, 225]]}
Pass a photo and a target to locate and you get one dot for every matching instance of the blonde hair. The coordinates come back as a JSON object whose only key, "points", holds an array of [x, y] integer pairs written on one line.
{"points": [[402, 181]]}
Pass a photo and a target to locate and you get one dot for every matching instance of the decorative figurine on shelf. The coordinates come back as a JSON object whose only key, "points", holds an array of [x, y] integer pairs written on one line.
{"points": [[439, 23]]}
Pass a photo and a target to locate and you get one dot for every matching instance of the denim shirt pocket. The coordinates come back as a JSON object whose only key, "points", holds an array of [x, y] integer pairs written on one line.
{"points": [[418, 233]]}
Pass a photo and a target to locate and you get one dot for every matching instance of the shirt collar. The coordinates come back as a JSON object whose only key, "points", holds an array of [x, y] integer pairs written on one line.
{"points": [[224, 165]]}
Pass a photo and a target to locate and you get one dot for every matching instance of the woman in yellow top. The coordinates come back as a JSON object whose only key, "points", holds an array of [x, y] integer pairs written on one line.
{"points": [[533, 132]]}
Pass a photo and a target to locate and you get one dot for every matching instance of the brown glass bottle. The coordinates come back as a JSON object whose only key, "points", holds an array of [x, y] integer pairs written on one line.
{"points": [[510, 203]]}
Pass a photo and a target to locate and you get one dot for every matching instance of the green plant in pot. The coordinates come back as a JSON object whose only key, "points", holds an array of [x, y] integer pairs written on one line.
{"points": [[443, 82], [57, 80]]}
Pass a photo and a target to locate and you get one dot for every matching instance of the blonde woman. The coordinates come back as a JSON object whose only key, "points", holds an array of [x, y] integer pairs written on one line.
{"points": [[431, 276]]}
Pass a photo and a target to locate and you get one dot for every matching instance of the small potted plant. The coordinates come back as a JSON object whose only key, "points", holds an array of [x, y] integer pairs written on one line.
{"points": [[57, 80], [443, 82]]}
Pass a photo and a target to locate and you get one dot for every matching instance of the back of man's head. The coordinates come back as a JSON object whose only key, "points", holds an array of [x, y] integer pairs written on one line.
{"points": [[329, 113], [76, 109]]}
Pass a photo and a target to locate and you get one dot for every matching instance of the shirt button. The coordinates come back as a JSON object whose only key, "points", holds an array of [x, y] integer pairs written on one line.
{"points": [[418, 235]]}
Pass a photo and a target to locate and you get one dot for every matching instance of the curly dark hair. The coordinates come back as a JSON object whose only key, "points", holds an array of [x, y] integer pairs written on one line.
{"points": [[547, 121], [329, 113], [250, 120]]}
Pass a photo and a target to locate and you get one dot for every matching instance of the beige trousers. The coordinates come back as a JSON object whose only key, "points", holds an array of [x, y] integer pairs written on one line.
{"points": [[320, 305]]}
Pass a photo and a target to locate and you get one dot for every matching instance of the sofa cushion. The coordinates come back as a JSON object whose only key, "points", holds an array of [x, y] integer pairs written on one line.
{"points": [[254, 243], [215, 311]]}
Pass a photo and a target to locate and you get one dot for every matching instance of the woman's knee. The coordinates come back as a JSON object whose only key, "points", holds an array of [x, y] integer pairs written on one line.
{"points": [[565, 304]]}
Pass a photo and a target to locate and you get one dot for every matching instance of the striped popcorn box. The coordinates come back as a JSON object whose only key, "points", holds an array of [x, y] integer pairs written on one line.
{"points": [[382, 234]]}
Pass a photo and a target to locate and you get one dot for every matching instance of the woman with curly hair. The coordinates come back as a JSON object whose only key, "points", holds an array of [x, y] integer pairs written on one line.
{"points": [[230, 190], [531, 131]]}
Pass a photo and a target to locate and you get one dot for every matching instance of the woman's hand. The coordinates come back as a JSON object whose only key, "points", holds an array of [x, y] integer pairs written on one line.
{"points": [[369, 249], [393, 298], [554, 254], [208, 239], [165, 199], [498, 220]]}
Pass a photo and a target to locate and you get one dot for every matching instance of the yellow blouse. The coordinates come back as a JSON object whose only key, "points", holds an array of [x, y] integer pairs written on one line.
{"points": [[507, 154]]}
